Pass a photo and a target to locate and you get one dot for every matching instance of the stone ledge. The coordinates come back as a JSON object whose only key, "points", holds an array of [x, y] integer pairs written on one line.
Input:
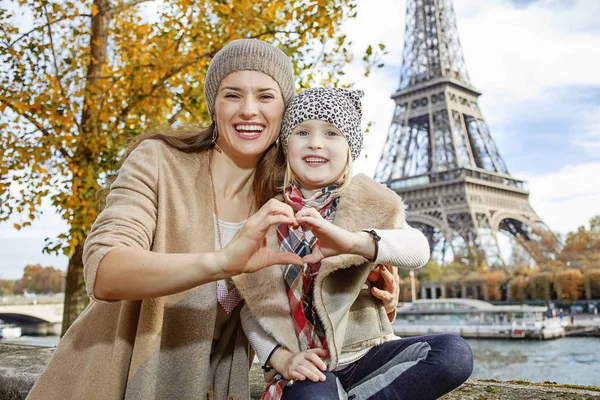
{"points": [[19, 368], [21, 365]]}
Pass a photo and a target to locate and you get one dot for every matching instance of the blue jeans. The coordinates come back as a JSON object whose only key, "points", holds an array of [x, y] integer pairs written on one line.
{"points": [[424, 367]]}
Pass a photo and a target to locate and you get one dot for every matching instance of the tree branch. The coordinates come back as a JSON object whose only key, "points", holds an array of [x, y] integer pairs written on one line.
{"points": [[46, 25], [166, 77], [62, 89], [44, 131], [114, 10]]}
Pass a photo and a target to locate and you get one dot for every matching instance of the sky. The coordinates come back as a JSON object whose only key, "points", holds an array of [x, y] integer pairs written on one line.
{"points": [[536, 63]]}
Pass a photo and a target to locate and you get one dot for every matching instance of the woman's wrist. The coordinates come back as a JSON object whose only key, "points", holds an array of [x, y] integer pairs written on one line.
{"points": [[217, 263]]}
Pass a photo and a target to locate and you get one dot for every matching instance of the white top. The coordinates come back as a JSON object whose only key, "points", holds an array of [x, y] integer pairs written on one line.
{"points": [[254, 332], [228, 231]]}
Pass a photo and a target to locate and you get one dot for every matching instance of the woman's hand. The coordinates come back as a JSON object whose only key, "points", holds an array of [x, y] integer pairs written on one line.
{"points": [[386, 286], [248, 251], [333, 240], [304, 365]]}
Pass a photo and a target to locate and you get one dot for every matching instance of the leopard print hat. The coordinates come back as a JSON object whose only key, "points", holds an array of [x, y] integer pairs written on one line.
{"points": [[340, 107]]}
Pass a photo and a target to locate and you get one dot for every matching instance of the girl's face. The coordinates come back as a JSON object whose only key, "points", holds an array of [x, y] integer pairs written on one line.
{"points": [[317, 154], [248, 112]]}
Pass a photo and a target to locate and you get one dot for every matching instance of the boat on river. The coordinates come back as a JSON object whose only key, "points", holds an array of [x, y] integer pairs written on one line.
{"points": [[475, 319], [9, 331]]}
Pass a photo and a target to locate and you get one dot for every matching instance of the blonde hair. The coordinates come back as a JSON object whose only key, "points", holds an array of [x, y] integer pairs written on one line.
{"points": [[344, 181]]}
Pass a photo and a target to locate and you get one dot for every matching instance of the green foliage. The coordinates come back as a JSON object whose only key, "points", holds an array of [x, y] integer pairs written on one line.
{"points": [[432, 272], [542, 285], [7, 287], [519, 288]]}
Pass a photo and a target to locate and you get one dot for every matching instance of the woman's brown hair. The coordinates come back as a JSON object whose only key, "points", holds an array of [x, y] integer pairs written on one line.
{"points": [[193, 139]]}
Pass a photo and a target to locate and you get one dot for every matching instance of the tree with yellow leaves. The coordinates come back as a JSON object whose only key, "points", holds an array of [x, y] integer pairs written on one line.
{"points": [[81, 78], [569, 285]]}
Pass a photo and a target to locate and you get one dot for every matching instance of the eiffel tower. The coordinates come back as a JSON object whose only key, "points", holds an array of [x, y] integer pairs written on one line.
{"points": [[439, 154]]}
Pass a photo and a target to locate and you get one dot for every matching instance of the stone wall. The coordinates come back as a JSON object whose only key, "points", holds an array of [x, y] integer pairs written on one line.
{"points": [[21, 365]]}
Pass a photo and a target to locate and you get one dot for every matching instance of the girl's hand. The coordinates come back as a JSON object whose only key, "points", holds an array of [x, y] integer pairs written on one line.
{"points": [[248, 251], [333, 240], [304, 365], [386, 286]]}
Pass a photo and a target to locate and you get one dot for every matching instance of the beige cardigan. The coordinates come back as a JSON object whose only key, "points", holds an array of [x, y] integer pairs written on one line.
{"points": [[157, 348], [352, 317]]}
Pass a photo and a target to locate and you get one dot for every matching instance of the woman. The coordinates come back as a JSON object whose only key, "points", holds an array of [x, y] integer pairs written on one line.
{"points": [[157, 246], [155, 241]]}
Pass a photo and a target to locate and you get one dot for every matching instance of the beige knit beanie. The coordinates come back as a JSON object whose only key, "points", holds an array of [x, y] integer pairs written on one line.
{"points": [[249, 55]]}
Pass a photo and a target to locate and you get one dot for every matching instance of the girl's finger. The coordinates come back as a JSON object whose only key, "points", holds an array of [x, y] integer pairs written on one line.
{"points": [[314, 369], [315, 214], [297, 375], [311, 222], [312, 375], [316, 360], [320, 352]]}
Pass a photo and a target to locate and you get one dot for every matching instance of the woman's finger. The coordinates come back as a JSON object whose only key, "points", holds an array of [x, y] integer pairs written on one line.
{"points": [[275, 207], [285, 258], [311, 259], [277, 219], [382, 295], [388, 276], [374, 276]]}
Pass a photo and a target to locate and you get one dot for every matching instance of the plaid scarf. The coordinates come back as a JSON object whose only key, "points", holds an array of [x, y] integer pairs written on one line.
{"points": [[299, 280]]}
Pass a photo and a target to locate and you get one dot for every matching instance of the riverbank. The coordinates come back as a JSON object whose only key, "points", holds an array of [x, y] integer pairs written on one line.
{"points": [[569, 360], [20, 366]]}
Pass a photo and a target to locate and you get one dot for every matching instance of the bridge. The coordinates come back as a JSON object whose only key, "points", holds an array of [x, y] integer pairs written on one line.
{"points": [[43, 317]]}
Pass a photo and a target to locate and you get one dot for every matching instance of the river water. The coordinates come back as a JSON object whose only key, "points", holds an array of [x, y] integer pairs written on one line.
{"points": [[574, 360], [567, 360]]}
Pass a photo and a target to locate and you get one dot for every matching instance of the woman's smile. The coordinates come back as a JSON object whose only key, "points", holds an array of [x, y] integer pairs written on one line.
{"points": [[249, 130]]}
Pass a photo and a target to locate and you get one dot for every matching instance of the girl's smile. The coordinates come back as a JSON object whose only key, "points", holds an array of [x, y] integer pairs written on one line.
{"points": [[315, 161]]}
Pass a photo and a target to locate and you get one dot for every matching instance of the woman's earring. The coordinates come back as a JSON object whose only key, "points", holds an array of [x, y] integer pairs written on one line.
{"points": [[215, 135], [214, 139]]}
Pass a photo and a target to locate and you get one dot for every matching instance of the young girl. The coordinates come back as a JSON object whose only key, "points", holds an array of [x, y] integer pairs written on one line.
{"points": [[316, 328]]}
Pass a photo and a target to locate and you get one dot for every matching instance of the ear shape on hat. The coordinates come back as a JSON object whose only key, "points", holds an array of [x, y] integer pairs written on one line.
{"points": [[355, 96]]}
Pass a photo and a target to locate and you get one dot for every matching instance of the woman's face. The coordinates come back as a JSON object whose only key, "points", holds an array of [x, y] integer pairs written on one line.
{"points": [[318, 154], [248, 111]]}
